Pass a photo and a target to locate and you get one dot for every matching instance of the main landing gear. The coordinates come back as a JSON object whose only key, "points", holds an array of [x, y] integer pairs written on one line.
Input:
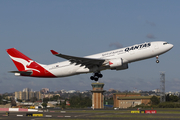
{"points": [[96, 76], [157, 61]]}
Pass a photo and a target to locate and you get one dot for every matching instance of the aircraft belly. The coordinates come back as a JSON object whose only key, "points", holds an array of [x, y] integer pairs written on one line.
{"points": [[66, 71], [82, 70]]}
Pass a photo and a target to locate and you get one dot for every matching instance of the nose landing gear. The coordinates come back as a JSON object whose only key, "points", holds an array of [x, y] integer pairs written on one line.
{"points": [[96, 76], [157, 61]]}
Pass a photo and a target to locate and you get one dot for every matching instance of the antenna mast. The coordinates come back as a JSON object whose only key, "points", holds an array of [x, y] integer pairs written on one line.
{"points": [[162, 87]]}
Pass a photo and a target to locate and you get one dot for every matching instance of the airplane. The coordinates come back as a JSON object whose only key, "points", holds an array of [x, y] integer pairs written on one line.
{"points": [[115, 60]]}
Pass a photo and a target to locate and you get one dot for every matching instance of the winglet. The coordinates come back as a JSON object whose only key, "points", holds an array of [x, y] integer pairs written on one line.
{"points": [[54, 52]]}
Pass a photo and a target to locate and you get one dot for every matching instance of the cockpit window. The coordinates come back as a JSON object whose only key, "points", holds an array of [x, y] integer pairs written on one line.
{"points": [[165, 43]]}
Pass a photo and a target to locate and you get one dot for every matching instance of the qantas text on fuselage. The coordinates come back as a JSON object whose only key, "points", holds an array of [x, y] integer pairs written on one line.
{"points": [[115, 60]]}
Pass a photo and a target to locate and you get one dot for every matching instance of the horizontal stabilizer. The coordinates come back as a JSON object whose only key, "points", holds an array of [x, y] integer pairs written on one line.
{"points": [[26, 73]]}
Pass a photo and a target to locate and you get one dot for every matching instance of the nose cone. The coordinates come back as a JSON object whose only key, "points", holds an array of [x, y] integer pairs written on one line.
{"points": [[171, 46]]}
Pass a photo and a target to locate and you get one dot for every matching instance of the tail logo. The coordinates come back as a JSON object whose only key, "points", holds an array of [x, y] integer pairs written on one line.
{"points": [[25, 63]]}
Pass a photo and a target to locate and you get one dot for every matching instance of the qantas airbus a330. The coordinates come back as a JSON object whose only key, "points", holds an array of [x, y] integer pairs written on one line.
{"points": [[115, 60]]}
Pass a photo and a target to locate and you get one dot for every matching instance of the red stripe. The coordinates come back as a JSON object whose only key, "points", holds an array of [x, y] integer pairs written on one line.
{"points": [[4, 109], [22, 109]]}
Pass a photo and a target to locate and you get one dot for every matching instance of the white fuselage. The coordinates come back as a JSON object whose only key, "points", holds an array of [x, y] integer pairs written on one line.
{"points": [[128, 54]]}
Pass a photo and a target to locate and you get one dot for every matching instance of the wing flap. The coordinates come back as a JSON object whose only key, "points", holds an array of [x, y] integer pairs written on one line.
{"points": [[87, 62]]}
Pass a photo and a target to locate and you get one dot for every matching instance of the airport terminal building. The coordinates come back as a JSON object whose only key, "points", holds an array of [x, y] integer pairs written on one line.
{"points": [[125, 100]]}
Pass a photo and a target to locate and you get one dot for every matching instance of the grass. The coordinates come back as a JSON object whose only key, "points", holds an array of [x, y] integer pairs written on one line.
{"points": [[159, 110], [136, 116], [99, 111], [166, 113]]}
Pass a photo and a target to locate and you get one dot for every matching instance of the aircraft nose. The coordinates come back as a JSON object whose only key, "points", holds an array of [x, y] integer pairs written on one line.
{"points": [[171, 46]]}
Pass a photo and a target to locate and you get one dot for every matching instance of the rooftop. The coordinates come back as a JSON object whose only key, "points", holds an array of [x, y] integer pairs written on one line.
{"points": [[134, 97], [128, 93]]}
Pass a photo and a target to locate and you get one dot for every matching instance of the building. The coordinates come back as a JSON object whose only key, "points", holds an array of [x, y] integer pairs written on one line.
{"points": [[45, 90], [116, 96], [20, 95], [27, 94], [9, 97], [97, 96], [156, 90], [47, 95], [173, 93], [27, 90], [38, 95], [125, 100], [31, 95]]}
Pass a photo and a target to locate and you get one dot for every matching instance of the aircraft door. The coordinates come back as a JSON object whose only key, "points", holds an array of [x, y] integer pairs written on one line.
{"points": [[156, 47]]}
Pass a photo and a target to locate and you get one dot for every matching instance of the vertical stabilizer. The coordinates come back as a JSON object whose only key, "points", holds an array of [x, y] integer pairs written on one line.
{"points": [[20, 60], [26, 66]]}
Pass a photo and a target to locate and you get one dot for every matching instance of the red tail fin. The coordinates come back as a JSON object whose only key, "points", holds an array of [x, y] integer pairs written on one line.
{"points": [[26, 65], [20, 60]]}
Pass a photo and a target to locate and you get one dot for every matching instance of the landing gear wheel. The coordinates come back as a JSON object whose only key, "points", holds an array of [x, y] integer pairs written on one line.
{"points": [[96, 79], [157, 61], [96, 76], [100, 75], [92, 77]]}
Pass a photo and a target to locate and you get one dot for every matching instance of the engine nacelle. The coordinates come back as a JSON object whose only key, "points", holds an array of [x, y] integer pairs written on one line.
{"points": [[117, 64], [123, 67]]}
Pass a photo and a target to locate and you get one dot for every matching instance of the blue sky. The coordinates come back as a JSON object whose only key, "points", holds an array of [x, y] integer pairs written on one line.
{"points": [[85, 27]]}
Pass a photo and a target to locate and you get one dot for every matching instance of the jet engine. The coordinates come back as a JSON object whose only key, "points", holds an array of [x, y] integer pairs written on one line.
{"points": [[117, 64]]}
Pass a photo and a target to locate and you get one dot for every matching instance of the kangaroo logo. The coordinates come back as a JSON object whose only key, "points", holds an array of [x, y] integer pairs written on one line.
{"points": [[25, 63]]}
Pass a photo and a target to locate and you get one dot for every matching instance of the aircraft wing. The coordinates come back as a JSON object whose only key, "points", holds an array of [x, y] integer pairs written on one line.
{"points": [[87, 62]]}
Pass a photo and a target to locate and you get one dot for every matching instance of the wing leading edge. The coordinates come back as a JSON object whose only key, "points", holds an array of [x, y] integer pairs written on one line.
{"points": [[87, 62]]}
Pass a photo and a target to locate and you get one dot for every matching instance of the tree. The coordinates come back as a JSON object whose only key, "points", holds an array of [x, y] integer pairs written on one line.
{"points": [[33, 99], [19, 100], [63, 104], [54, 98], [167, 98], [80, 102], [74, 102], [45, 100], [155, 100], [171, 98], [44, 105], [0, 99], [13, 102]]}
